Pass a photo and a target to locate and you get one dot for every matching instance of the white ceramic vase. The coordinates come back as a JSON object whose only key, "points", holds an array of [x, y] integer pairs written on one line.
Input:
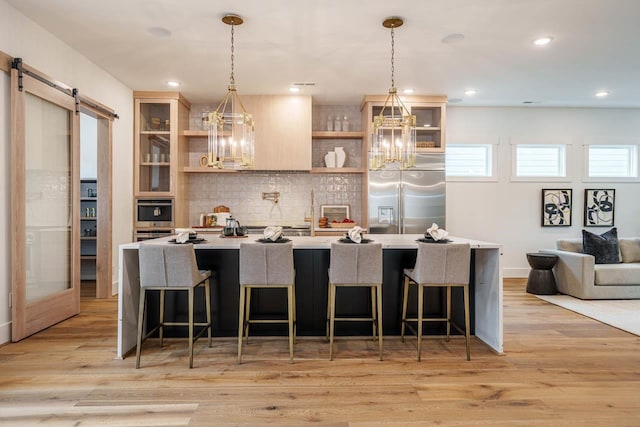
{"points": [[330, 159], [341, 156]]}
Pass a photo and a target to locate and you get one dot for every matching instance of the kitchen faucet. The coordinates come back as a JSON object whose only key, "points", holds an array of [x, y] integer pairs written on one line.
{"points": [[273, 196]]}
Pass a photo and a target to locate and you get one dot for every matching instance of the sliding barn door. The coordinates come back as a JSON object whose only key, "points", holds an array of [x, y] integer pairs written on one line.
{"points": [[45, 206]]}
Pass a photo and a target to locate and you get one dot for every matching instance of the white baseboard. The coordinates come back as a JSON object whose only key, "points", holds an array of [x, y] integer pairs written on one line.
{"points": [[515, 273], [5, 333]]}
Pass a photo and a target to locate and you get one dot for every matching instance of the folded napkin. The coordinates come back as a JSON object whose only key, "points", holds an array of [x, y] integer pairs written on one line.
{"points": [[182, 237], [355, 234], [436, 233], [273, 232], [192, 233]]}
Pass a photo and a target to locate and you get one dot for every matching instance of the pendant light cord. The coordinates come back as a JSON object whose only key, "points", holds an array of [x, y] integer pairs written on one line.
{"points": [[393, 80], [232, 80]]}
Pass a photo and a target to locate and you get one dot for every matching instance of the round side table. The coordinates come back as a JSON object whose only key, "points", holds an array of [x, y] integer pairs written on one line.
{"points": [[541, 279]]}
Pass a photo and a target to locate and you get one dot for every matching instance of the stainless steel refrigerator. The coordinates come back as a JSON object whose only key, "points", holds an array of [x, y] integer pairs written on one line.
{"points": [[408, 201]]}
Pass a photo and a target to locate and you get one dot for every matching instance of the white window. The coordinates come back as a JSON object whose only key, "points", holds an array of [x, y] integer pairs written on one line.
{"points": [[475, 161], [540, 161], [612, 161]]}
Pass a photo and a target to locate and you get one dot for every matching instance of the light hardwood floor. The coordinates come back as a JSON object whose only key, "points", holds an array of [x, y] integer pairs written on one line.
{"points": [[559, 369]]}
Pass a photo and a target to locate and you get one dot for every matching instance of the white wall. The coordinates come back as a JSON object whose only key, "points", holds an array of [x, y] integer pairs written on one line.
{"points": [[21, 37], [88, 147], [509, 212]]}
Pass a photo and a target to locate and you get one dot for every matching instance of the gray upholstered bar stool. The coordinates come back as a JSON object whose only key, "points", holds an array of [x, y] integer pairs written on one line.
{"points": [[438, 265], [355, 265], [266, 265], [165, 267]]}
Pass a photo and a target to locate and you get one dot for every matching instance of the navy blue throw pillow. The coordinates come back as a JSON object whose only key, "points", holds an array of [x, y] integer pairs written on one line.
{"points": [[603, 247]]}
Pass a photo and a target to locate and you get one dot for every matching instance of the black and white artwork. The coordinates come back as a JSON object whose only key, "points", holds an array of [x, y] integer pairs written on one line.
{"points": [[599, 206], [556, 207]]}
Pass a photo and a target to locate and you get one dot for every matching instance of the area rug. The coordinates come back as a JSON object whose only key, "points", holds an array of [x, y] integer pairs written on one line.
{"points": [[622, 314]]}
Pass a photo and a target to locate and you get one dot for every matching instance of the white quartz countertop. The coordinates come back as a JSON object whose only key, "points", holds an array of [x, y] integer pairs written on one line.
{"points": [[389, 241]]}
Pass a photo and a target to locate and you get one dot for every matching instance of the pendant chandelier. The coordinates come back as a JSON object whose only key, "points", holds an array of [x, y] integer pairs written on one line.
{"points": [[231, 130], [394, 129]]}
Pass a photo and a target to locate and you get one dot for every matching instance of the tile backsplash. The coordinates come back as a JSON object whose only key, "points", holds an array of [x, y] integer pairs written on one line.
{"points": [[242, 193]]}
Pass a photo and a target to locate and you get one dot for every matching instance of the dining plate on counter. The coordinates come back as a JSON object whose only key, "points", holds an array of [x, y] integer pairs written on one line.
{"points": [[348, 240], [280, 240], [423, 240], [194, 241]]}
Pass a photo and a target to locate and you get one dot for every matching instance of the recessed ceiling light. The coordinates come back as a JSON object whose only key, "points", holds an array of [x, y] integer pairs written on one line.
{"points": [[159, 31], [408, 91], [453, 38], [543, 41], [173, 83], [470, 92], [294, 89], [602, 94]]}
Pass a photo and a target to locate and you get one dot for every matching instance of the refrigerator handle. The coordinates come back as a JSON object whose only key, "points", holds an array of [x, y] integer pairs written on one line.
{"points": [[400, 209]]}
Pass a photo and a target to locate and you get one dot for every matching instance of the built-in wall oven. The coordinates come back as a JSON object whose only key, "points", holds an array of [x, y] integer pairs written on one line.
{"points": [[154, 218], [154, 213]]}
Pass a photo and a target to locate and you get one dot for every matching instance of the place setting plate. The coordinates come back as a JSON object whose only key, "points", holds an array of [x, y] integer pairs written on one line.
{"points": [[280, 240], [346, 239], [425, 240], [194, 241]]}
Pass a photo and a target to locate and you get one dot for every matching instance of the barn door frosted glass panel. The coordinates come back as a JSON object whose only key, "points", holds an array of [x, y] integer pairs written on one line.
{"points": [[48, 198]]}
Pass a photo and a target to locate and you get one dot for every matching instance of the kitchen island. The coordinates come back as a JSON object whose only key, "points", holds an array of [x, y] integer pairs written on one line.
{"points": [[311, 260]]}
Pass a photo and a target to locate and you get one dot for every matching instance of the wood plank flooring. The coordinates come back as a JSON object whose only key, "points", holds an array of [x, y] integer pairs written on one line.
{"points": [[559, 369]]}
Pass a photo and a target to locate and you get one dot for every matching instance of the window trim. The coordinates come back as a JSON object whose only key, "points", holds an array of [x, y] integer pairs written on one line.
{"points": [[551, 178], [493, 143], [585, 164]]}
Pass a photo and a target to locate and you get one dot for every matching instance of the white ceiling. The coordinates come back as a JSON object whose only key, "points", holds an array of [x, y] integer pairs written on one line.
{"points": [[342, 46]]}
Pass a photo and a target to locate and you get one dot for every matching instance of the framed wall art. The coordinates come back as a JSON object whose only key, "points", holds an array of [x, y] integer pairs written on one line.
{"points": [[334, 212], [556, 207], [599, 207]]}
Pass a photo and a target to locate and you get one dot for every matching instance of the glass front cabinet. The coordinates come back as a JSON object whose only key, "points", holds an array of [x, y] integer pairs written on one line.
{"points": [[429, 111], [157, 123]]}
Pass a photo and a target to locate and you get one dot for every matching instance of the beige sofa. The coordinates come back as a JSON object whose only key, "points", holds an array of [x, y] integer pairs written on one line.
{"points": [[578, 275]]}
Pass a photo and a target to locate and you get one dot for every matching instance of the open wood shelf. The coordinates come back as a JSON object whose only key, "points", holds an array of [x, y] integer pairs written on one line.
{"points": [[199, 169], [189, 133], [321, 134], [155, 132], [337, 170]]}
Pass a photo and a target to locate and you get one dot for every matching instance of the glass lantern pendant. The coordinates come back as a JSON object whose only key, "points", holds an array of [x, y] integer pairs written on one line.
{"points": [[231, 128], [393, 141]]}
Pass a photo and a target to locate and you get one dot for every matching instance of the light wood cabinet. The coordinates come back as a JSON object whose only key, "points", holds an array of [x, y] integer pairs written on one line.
{"points": [[430, 112], [160, 119], [282, 131]]}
